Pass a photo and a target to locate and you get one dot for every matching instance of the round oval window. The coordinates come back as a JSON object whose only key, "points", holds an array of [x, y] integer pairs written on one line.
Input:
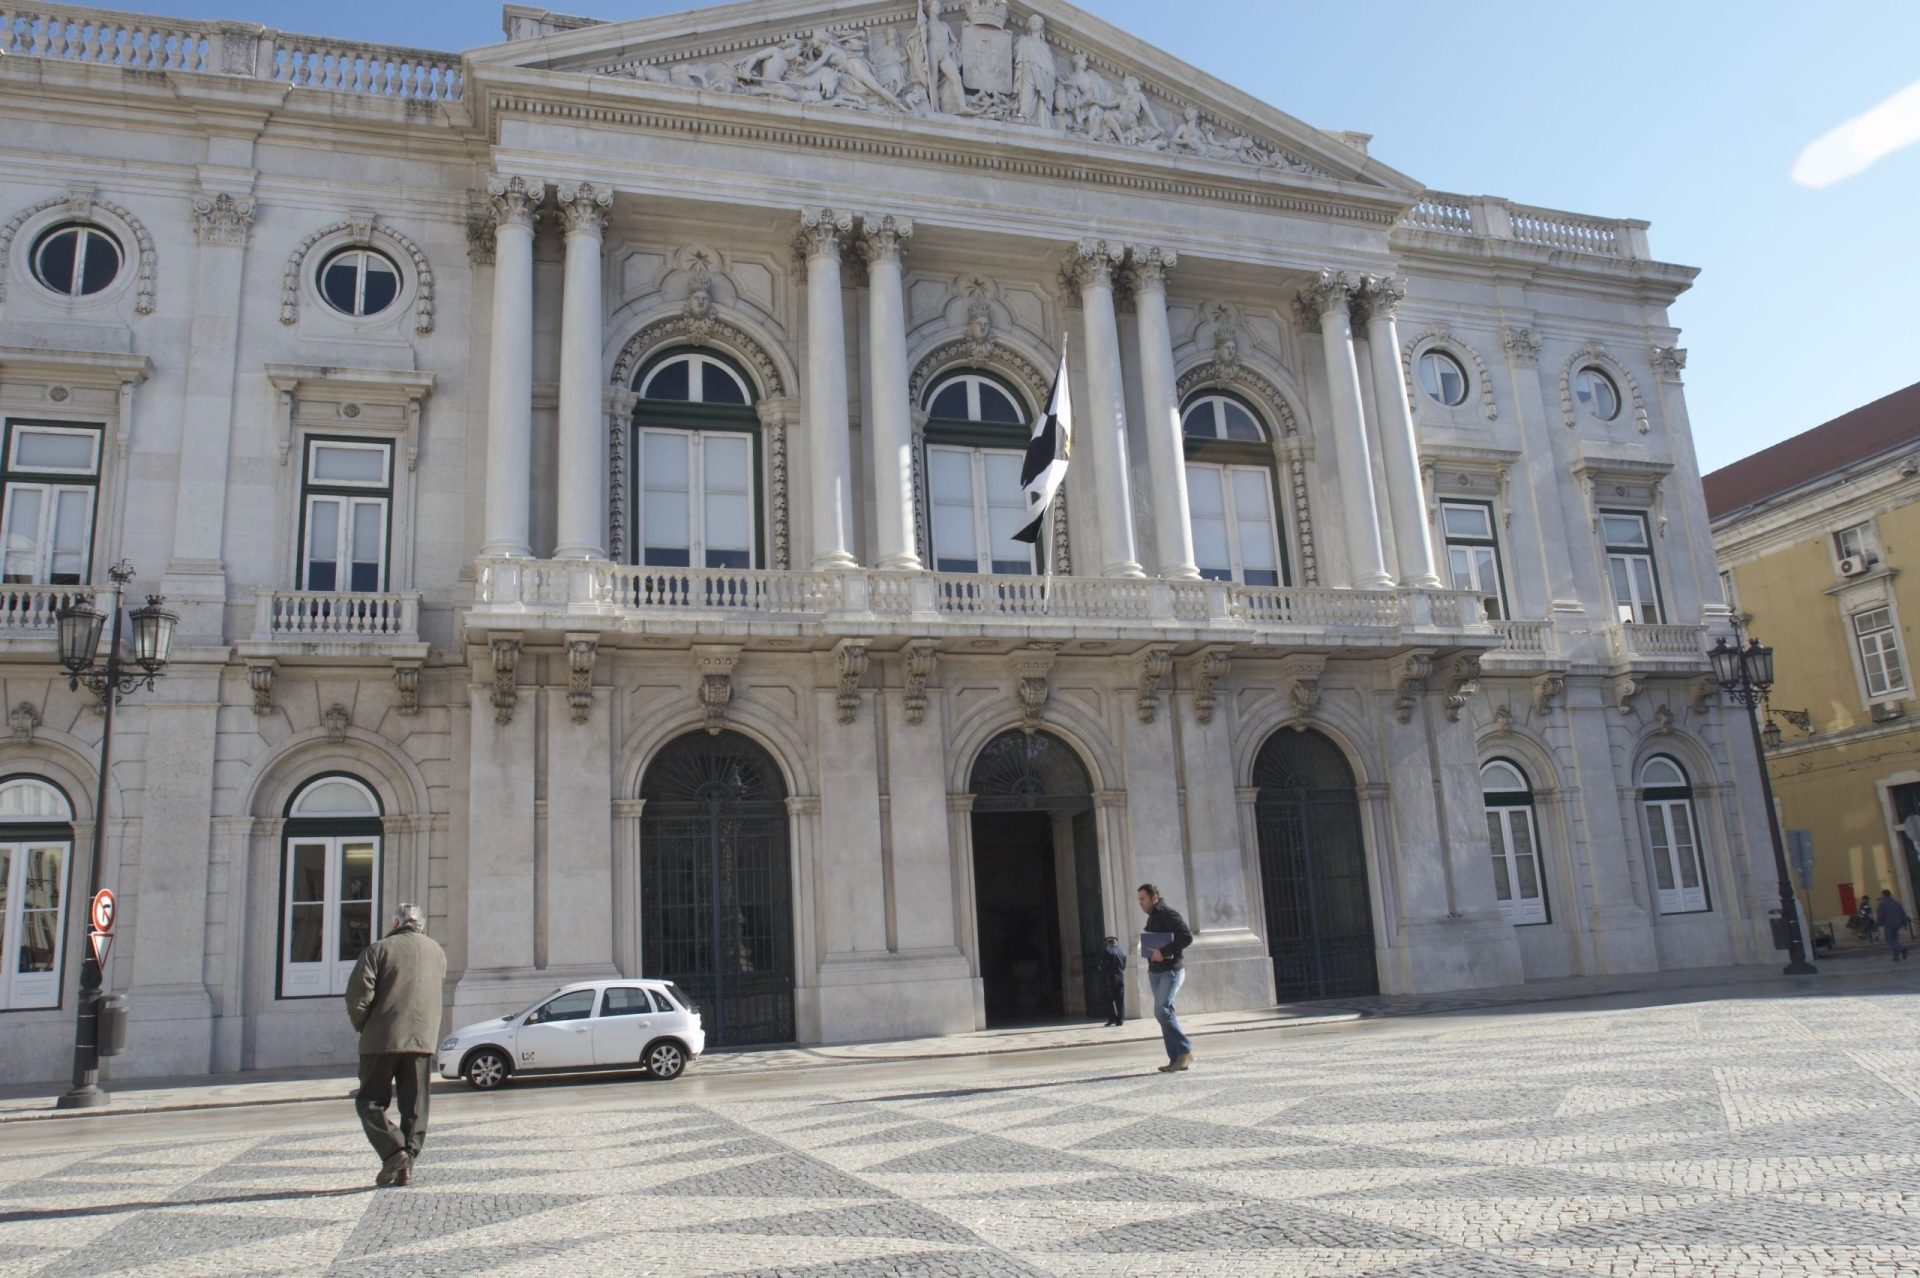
{"points": [[359, 281], [1596, 393], [1442, 378], [76, 259]]}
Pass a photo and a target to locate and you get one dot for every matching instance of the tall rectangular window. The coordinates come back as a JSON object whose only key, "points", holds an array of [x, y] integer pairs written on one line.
{"points": [[1235, 534], [696, 499], [346, 502], [977, 506], [51, 477], [33, 876], [1879, 642], [1851, 543], [328, 912], [1629, 550], [1473, 555]]}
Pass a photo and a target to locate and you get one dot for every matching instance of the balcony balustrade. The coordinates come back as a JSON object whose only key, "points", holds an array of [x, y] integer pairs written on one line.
{"points": [[35, 610], [1673, 646]]}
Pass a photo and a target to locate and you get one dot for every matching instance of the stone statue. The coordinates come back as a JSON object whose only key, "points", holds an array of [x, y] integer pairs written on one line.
{"points": [[937, 61], [1035, 74], [1092, 97], [1134, 119]]}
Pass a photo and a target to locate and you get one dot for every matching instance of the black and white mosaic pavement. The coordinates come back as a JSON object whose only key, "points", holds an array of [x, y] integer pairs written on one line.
{"points": [[1740, 1136]]}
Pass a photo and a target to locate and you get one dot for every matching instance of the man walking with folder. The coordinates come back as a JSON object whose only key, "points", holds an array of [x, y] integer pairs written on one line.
{"points": [[1161, 944]]}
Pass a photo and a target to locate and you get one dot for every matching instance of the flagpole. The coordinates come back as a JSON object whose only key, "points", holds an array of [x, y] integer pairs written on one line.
{"points": [[1046, 563]]}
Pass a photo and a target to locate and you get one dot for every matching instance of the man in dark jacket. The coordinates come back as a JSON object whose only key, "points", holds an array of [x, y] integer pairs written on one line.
{"points": [[1113, 971], [1165, 972], [1892, 917], [393, 999]]}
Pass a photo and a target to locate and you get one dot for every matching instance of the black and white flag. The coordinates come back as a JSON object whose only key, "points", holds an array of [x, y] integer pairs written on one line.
{"points": [[1048, 450]]}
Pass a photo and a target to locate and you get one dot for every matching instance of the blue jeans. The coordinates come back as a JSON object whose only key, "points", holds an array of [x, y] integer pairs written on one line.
{"points": [[1165, 985]]}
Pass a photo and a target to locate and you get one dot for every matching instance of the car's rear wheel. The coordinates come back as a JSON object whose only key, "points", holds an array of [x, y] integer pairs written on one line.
{"points": [[665, 1059], [487, 1069]]}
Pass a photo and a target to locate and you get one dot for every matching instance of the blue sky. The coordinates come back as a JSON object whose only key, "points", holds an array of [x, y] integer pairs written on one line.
{"points": [[1686, 113]]}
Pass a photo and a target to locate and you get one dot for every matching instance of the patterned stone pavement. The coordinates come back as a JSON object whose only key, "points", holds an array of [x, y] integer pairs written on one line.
{"points": [[1743, 1135]]}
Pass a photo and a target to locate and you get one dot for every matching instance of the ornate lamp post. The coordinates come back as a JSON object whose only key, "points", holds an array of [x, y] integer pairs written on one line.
{"points": [[1745, 674], [80, 631]]}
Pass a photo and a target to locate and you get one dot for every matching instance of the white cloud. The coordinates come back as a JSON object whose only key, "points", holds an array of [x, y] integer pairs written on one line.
{"points": [[1861, 142]]}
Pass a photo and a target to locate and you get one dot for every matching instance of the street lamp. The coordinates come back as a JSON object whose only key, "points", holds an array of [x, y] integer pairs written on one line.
{"points": [[80, 627], [1745, 673], [1771, 735]]}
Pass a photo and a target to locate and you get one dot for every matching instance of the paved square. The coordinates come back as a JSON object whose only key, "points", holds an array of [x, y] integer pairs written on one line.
{"points": [[1742, 1135]]}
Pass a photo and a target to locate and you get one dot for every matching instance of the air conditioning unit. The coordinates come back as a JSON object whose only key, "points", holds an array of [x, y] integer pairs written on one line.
{"points": [[1856, 565], [1887, 710]]}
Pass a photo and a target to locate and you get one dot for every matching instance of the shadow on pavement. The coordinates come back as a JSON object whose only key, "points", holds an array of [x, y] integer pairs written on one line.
{"points": [[115, 1209]]}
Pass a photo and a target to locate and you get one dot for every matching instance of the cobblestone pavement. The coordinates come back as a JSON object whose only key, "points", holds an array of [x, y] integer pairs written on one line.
{"points": [[1742, 1134]]}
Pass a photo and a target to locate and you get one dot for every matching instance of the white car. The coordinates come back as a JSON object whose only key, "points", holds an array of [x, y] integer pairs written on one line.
{"points": [[589, 1026]]}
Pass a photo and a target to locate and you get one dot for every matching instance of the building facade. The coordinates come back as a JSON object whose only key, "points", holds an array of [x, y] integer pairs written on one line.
{"points": [[1811, 535], [584, 469]]}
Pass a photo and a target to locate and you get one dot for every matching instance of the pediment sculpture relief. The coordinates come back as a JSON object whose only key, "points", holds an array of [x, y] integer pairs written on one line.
{"points": [[988, 68]]}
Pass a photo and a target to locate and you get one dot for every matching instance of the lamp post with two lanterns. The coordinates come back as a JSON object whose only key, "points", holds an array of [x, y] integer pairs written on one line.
{"points": [[1745, 672], [108, 677]]}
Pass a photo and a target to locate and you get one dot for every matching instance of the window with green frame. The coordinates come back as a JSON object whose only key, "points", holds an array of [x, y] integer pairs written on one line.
{"points": [[697, 462], [1233, 491], [976, 441]]}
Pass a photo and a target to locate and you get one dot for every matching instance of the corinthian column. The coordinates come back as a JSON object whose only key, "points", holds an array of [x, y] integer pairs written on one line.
{"points": [[582, 520], [824, 403], [1091, 269], [889, 414], [1400, 449], [1327, 297], [1166, 451], [511, 201]]}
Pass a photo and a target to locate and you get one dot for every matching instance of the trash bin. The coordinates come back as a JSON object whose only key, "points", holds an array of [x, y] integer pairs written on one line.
{"points": [[1782, 932], [112, 1031]]}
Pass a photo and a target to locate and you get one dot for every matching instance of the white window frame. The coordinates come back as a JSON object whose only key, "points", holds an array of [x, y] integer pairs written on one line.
{"points": [[1502, 819], [697, 492], [1491, 542], [47, 482], [1631, 609], [1679, 898], [28, 991], [984, 558], [1874, 648], [328, 976], [1230, 507], [1861, 535], [351, 495]]}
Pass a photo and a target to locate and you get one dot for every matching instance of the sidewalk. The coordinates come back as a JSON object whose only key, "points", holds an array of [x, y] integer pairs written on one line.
{"points": [[332, 1083]]}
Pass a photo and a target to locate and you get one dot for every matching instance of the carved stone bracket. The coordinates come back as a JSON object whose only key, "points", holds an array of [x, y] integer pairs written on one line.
{"points": [[1300, 676], [582, 650], [1461, 673], [850, 659], [23, 721], [1207, 670], [406, 682], [1701, 689], [921, 658], [260, 679], [1621, 690], [506, 660], [1154, 665], [221, 218], [1547, 688], [716, 684], [336, 721], [1409, 672], [1032, 667]]}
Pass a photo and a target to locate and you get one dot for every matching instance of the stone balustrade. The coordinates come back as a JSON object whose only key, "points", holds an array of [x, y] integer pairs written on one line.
{"points": [[302, 615], [1490, 217], [37, 608], [1637, 644], [1532, 637]]}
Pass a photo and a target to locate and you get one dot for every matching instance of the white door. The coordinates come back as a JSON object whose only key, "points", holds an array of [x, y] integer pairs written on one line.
{"points": [[559, 1034], [32, 879], [624, 1027]]}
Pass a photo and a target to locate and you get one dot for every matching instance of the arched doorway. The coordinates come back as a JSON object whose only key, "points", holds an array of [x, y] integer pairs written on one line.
{"points": [[716, 885], [1313, 869], [1036, 880]]}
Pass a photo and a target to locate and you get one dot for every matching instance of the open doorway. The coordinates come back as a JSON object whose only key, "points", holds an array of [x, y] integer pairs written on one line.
{"points": [[1036, 879]]}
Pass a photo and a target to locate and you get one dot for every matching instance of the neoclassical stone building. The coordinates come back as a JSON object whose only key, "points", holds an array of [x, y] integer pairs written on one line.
{"points": [[584, 471]]}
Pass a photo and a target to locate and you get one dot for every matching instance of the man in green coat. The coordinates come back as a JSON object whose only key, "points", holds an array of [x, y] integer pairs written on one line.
{"points": [[393, 999]]}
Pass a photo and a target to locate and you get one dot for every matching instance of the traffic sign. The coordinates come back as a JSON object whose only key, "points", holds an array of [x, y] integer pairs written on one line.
{"points": [[102, 943], [102, 910]]}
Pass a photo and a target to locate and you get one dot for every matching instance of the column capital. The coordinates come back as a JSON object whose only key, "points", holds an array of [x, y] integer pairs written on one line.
{"points": [[1378, 296], [512, 199], [582, 206], [1327, 293], [883, 237], [1092, 262], [1149, 266], [821, 231]]}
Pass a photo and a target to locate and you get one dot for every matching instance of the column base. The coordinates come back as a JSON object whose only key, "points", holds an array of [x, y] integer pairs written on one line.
{"points": [[1374, 581], [1180, 572], [834, 563], [506, 550], [1128, 569], [579, 552], [901, 563]]}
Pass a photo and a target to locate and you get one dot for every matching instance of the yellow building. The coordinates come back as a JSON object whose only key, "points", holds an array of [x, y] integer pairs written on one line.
{"points": [[1818, 540]]}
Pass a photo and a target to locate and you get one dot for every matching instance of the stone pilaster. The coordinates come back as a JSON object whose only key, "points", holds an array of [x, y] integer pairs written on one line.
{"points": [[1326, 299], [582, 480], [512, 202], [1104, 426], [1159, 395]]}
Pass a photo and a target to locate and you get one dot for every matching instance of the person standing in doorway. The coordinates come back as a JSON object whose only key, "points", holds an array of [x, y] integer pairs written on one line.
{"points": [[1166, 971], [393, 999], [1892, 917], [1113, 970]]}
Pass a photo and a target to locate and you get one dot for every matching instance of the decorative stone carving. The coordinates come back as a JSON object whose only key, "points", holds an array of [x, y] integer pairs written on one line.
{"points": [[708, 330], [336, 721], [480, 244], [583, 206], [1670, 361], [1327, 293], [1546, 689], [1207, 670], [1234, 372], [80, 201], [506, 659], [1621, 690], [1147, 267], [1300, 675], [221, 218], [1442, 338], [406, 682], [1409, 672], [582, 650], [822, 233], [1596, 353], [1031, 668], [979, 328], [775, 414], [987, 350], [363, 229], [850, 659], [1091, 264], [921, 657], [514, 200], [1523, 345], [1662, 718], [260, 679], [1503, 719], [23, 721], [1154, 665], [1461, 674], [620, 404], [716, 685], [1701, 689], [1377, 295]]}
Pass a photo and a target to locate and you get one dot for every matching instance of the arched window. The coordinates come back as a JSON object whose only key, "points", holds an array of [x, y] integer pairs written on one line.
{"points": [[1673, 836], [1515, 838], [977, 428], [1232, 492], [330, 885], [36, 854], [696, 465]]}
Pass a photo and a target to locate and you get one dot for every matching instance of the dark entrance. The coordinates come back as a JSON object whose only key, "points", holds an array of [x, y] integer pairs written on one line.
{"points": [[716, 890], [1313, 869], [1906, 803], [1036, 881]]}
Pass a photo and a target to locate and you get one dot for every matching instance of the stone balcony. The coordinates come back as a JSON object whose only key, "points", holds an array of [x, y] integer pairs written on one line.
{"points": [[29, 615], [1677, 649], [334, 625]]}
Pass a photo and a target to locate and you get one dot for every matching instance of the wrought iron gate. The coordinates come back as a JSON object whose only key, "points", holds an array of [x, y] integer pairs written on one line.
{"points": [[716, 885], [1313, 870]]}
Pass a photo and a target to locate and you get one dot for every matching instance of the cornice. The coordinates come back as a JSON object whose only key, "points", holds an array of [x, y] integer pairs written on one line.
{"points": [[1811, 516]]}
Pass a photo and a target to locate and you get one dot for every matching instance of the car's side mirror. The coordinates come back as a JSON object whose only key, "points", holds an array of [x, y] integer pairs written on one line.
{"points": [[534, 1018]]}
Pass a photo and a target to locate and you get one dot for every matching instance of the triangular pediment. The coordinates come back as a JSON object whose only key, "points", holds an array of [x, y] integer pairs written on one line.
{"points": [[1071, 79]]}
